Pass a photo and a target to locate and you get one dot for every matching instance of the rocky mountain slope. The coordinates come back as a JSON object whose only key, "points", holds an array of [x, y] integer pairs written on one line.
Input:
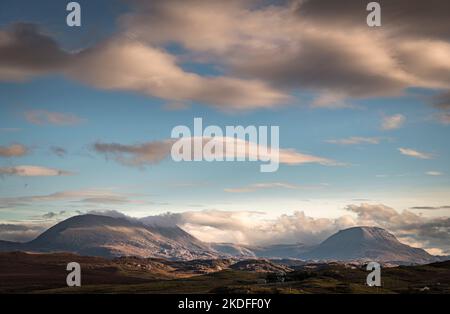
{"points": [[367, 243], [105, 236]]}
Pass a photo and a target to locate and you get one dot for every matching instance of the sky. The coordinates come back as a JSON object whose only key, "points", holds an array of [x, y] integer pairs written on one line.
{"points": [[85, 112]]}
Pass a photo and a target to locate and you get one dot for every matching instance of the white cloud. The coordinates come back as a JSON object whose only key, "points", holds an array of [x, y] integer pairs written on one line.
{"points": [[393, 122], [414, 153], [33, 171], [355, 140], [123, 64], [434, 173], [21, 232], [87, 196], [259, 186], [444, 118], [269, 185]]}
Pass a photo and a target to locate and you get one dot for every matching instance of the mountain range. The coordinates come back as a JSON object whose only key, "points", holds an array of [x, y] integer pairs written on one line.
{"points": [[96, 235]]}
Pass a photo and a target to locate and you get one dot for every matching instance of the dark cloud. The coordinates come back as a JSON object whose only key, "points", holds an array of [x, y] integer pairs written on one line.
{"points": [[409, 18], [26, 51], [58, 151], [441, 101], [431, 207], [51, 215], [135, 155]]}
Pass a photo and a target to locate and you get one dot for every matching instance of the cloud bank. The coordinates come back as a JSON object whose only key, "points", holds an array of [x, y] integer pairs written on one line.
{"points": [[255, 229], [312, 45]]}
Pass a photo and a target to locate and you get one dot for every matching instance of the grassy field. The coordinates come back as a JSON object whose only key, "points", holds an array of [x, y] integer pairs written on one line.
{"points": [[45, 273]]}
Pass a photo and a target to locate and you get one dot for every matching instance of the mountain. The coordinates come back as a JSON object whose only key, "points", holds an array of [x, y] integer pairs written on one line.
{"points": [[367, 243], [109, 237], [232, 249], [353, 244], [269, 251], [281, 250], [105, 236]]}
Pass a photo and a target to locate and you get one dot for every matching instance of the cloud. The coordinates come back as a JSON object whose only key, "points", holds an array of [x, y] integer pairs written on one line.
{"points": [[42, 117], [302, 39], [429, 233], [411, 18], [434, 173], [10, 129], [441, 101], [209, 225], [13, 150], [254, 228], [176, 106], [33, 171], [153, 152], [312, 46], [110, 213], [111, 199], [122, 63], [393, 122], [431, 207], [355, 140], [444, 118], [26, 52], [87, 196], [414, 153], [58, 151], [21, 232], [163, 78], [331, 100], [136, 155], [259, 186], [51, 215], [268, 185]]}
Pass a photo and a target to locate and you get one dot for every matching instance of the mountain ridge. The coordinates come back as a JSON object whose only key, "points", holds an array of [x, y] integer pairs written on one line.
{"points": [[106, 236]]}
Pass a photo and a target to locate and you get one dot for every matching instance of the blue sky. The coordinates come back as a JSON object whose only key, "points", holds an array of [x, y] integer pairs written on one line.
{"points": [[375, 173]]}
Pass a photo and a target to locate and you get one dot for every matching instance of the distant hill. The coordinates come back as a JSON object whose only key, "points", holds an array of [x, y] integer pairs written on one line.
{"points": [[96, 235], [367, 243], [235, 250], [260, 265]]}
